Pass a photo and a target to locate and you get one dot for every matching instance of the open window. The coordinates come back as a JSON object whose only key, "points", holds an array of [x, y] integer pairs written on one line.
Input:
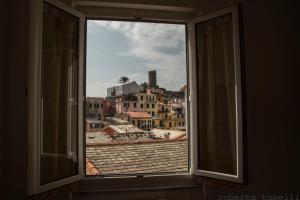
{"points": [[55, 108], [136, 59], [216, 111], [56, 98]]}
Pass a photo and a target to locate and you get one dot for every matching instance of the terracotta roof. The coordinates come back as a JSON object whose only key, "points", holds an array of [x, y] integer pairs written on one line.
{"points": [[93, 98], [91, 169], [166, 156], [139, 114]]}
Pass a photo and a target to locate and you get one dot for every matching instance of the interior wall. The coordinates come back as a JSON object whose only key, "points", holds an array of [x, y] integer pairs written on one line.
{"points": [[14, 136], [271, 39], [166, 194], [2, 94], [272, 43]]}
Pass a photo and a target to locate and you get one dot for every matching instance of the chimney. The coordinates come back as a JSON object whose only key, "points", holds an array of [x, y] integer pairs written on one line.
{"points": [[167, 135]]}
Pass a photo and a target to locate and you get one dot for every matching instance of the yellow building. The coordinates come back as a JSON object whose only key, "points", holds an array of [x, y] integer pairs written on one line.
{"points": [[140, 119], [157, 92], [148, 103], [171, 116]]}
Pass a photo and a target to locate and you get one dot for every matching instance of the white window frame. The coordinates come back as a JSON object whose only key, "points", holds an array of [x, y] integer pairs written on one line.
{"points": [[35, 102], [34, 94], [239, 178]]}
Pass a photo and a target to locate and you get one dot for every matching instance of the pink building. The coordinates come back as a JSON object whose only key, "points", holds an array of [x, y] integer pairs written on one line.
{"points": [[127, 104], [97, 107]]}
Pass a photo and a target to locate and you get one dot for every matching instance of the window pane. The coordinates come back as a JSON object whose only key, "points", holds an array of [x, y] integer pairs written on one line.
{"points": [[216, 99], [140, 69], [59, 94]]}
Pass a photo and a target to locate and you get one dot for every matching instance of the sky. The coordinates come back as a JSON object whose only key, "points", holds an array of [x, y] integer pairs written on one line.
{"points": [[131, 49]]}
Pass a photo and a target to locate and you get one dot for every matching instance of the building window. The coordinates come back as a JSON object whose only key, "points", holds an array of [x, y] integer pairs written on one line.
{"points": [[142, 105], [142, 98], [134, 104], [147, 105], [153, 105]]}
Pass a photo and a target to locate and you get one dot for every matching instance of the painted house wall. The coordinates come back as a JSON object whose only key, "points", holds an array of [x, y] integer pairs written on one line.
{"points": [[98, 106], [120, 108]]}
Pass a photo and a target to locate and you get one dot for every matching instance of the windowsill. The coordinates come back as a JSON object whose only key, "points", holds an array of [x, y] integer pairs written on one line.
{"points": [[126, 184]]}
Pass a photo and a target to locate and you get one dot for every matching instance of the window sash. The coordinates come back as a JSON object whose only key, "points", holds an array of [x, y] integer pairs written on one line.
{"points": [[193, 97], [35, 100]]}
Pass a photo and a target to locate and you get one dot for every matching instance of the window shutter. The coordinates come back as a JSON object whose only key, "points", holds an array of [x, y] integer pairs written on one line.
{"points": [[56, 96], [216, 111]]}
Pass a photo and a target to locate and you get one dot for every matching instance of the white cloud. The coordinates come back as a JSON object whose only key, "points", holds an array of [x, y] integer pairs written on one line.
{"points": [[97, 89], [146, 41]]}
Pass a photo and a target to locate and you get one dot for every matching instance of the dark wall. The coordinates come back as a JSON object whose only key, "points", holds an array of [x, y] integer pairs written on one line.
{"points": [[15, 18], [272, 46], [2, 68], [272, 104], [166, 194]]}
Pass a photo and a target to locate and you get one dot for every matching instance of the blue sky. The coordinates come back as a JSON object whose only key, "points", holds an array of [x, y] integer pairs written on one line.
{"points": [[131, 49]]}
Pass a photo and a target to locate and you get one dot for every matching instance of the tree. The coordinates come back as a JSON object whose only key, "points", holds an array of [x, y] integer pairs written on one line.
{"points": [[144, 86], [123, 79]]}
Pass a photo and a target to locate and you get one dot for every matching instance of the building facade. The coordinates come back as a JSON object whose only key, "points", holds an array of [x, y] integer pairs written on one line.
{"points": [[152, 79], [124, 89], [141, 120], [97, 107]]}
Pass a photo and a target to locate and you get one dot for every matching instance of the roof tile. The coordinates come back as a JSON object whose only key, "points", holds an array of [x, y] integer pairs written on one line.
{"points": [[158, 157]]}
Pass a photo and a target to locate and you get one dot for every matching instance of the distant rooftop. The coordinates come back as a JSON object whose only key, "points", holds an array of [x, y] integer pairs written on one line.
{"points": [[94, 98], [126, 128], [173, 134], [116, 120], [123, 84], [93, 121], [98, 137], [154, 157], [138, 114], [183, 88]]}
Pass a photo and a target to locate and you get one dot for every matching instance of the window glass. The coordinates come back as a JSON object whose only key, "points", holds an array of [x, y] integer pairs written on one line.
{"points": [[59, 94], [137, 59], [216, 96]]}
